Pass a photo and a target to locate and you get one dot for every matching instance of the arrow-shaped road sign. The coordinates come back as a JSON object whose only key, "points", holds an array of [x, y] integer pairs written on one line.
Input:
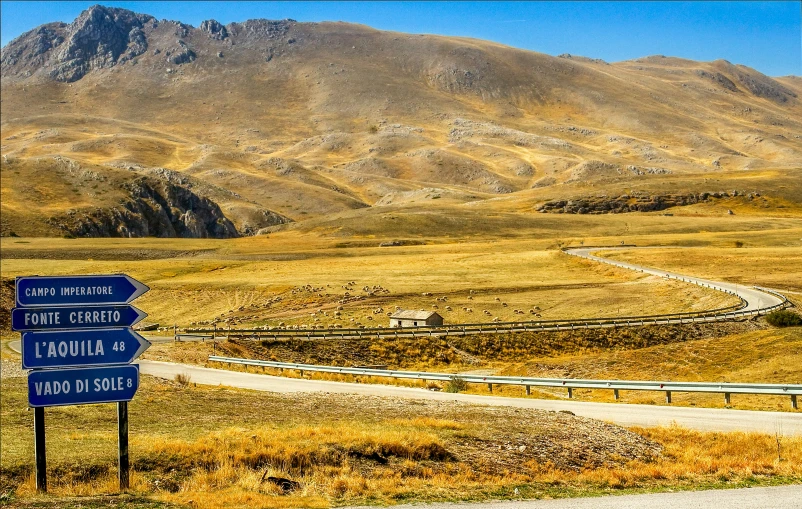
{"points": [[73, 290], [55, 387], [67, 348], [75, 317]]}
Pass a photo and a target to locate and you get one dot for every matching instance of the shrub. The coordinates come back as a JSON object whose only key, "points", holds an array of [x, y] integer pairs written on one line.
{"points": [[783, 318], [456, 384], [182, 378]]}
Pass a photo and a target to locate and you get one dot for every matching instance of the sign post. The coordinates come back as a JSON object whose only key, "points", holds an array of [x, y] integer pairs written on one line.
{"points": [[39, 444], [76, 339], [122, 443]]}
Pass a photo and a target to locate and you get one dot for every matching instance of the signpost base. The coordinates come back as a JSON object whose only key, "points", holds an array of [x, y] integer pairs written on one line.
{"points": [[39, 445], [122, 438]]}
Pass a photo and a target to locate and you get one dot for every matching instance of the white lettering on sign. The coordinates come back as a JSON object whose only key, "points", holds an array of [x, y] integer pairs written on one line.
{"points": [[82, 348], [52, 388], [42, 318], [39, 292], [107, 384], [94, 317], [86, 290]]}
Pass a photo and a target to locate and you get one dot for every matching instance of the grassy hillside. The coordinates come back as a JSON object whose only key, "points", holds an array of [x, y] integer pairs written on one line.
{"points": [[309, 120]]}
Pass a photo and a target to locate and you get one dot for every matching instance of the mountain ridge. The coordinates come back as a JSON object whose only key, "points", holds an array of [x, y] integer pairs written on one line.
{"points": [[305, 120]]}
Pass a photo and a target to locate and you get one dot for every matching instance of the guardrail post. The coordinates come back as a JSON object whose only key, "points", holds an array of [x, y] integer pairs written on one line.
{"points": [[490, 387], [668, 397], [301, 372], [570, 392], [793, 402], [726, 398], [528, 390], [615, 394]]}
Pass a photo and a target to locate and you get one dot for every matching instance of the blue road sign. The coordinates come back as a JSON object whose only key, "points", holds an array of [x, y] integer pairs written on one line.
{"points": [[91, 347], [82, 386], [75, 317], [73, 290]]}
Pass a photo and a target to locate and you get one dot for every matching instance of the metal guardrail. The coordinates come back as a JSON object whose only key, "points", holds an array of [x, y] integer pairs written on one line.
{"points": [[792, 390]]}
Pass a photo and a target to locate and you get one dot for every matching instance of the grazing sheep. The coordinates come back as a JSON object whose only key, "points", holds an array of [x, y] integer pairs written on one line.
{"points": [[448, 308]]}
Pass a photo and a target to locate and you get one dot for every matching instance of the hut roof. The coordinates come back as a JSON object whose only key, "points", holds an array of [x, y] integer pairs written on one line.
{"points": [[410, 314]]}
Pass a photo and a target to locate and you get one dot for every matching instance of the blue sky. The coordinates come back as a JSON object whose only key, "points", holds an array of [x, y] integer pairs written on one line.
{"points": [[766, 35]]}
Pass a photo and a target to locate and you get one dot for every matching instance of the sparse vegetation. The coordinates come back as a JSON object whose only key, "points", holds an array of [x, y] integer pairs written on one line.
{"points": [[456, 384]]}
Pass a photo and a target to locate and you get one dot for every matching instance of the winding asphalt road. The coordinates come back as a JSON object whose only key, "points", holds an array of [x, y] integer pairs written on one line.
{"points": [[755, 299], [705, 419]]}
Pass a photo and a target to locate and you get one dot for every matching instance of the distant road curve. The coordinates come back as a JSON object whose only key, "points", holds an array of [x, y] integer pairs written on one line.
{"points": [[775, 497], [756, 299]]}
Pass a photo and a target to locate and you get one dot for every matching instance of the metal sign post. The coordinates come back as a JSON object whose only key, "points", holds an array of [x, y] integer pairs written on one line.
{"points": [[122, 443], [39, 444], [78, 343]]}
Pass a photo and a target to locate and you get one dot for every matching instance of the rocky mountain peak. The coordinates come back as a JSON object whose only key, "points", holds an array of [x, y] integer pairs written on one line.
{"points": [[100, 37], [214, 29]]}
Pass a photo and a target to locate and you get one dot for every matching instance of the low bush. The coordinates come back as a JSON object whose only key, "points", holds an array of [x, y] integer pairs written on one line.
{"points": [[456, 384], [783, 318]]}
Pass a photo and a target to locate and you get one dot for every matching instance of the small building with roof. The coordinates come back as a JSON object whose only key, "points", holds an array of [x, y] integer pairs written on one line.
{"points": [[411, 318]]}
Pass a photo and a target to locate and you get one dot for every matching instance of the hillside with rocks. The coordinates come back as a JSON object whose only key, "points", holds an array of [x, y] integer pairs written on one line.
{"points": [[119, 124]]}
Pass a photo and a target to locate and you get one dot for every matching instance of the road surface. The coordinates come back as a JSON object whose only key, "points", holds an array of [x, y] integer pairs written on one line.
{"points": [[705, 419], [778, 497]]}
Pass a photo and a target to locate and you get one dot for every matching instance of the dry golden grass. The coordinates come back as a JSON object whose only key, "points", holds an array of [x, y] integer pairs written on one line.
{"points": [[778, 267], [195, 281]]}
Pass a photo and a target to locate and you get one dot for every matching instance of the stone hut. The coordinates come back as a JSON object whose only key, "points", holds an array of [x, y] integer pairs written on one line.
{"points": [[409, 318]]}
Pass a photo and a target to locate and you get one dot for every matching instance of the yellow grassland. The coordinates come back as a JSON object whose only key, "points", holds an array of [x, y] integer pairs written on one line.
{"points": [[381, 451]]}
